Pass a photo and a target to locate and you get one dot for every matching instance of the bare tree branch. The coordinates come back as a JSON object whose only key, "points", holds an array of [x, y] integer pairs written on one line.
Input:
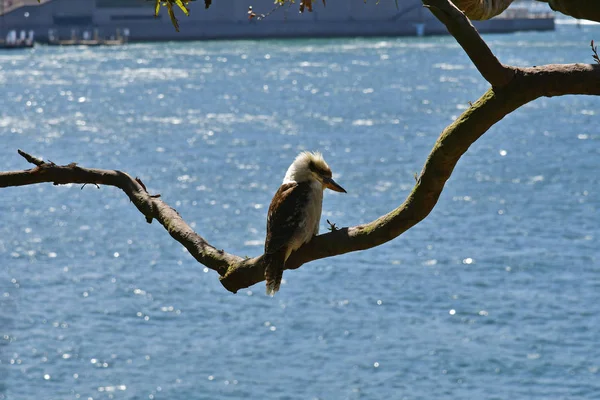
{"points": [[511, 88], [514, 87], [31, 159], [150, 206]]}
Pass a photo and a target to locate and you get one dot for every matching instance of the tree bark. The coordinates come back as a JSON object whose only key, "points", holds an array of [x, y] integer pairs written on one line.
{"points": [[511, 87], [487, 9], [582, 9]]}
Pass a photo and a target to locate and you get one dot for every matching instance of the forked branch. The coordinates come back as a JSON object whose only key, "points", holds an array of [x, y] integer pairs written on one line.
{"points": [[466, 35], [511, 88]]}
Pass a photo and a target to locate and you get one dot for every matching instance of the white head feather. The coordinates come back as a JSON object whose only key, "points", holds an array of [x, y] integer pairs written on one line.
{"points": [[300, 170]]}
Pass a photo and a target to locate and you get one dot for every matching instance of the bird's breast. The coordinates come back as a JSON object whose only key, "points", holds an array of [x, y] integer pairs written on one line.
{"points": [[312, 216]]}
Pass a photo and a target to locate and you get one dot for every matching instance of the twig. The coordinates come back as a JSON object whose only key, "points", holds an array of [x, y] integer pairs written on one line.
{"points": [[332, 226], [595, 51], [31, 159], [97, 186], [151, 206]]}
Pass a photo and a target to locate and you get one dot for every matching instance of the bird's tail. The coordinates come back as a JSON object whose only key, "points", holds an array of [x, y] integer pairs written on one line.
{"points": [[274, 266]]}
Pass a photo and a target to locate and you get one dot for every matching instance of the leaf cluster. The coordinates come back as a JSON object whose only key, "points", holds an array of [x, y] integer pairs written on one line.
{"points": [[182, 4]]}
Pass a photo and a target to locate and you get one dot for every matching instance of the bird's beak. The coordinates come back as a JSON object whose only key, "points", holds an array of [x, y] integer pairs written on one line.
{"points": [[331, 184]]}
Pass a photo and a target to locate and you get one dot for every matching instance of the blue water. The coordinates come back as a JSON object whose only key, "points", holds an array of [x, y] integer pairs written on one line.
{"points": [[494, 296]]}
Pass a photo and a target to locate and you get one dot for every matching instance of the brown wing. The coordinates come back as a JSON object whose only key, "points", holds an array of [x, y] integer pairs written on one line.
{"points": [[286, 212]]}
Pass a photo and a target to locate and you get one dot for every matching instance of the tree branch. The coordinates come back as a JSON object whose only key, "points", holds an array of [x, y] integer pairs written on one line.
{"points": [[152, 207], [528, 84], [511, 88]]}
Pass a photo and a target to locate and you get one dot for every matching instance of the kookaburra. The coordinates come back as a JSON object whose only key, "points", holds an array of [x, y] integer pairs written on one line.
{"points": [[295, 213]]}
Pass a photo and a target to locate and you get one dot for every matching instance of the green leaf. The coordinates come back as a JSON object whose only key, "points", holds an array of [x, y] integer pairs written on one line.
{"points": [[172, 16], [157, 8], [183, 7]]}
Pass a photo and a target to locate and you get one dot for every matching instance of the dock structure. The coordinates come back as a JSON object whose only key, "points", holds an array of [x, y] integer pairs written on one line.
{"points": [[14, 40], [9, 45], [118, 21], [87, 38]]}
